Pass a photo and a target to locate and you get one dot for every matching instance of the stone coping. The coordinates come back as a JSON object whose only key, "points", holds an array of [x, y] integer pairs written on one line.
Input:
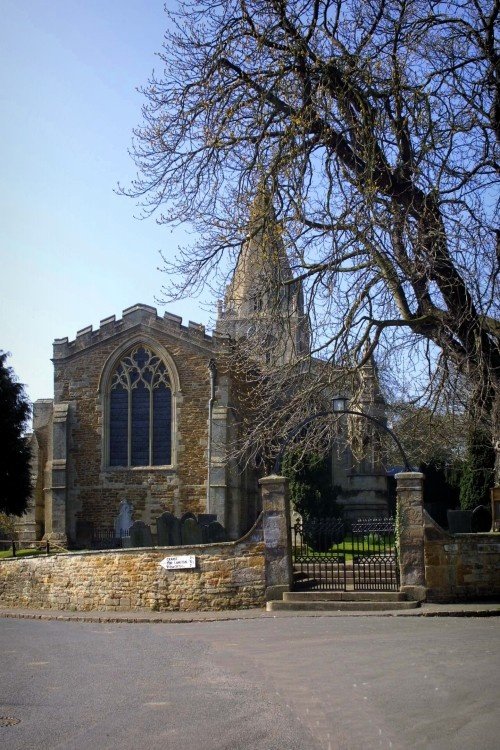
{"points": [[135, 550]]}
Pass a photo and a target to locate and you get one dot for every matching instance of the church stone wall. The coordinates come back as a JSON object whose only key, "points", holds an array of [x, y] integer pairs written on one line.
{"points": [[227, 576], [94, 490], [460, 567]]}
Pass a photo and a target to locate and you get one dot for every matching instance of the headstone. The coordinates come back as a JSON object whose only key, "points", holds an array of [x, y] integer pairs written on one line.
{"points": [[187, 515], [140, 535], [459, 521], [204, 519], [481, 519], [84, 532], [217, 532], [168, 529], [205, 536], [123, 520], [191, 532]]}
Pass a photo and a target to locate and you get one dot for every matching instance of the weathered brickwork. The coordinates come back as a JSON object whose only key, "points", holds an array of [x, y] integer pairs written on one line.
{"points": [[410, 534], [94, 490], [227, 576], [438, 566], [461, 566]]}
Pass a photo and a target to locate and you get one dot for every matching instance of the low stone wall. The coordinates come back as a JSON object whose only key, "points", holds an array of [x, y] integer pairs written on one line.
{"points": [[461, 566], [229, 575]]}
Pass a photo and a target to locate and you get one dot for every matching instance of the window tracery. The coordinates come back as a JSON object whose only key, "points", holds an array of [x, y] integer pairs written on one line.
{"points": [[140, 410]]}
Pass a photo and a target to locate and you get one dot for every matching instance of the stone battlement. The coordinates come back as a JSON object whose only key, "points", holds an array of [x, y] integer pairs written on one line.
{"points": [[131, 316]]}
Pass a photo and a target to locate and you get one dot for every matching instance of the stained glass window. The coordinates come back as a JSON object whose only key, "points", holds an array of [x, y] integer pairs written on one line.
{"points": [[140, 411]]}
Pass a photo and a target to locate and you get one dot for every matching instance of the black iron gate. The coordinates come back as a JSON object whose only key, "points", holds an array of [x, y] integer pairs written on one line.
{"points": [[337, 555]]}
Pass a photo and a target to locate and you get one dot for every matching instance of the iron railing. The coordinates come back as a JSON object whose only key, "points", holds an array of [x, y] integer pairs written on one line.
{"points": [[334, 554]]}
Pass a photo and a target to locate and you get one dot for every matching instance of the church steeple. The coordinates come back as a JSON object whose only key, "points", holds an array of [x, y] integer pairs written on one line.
{"points": [[262, 304]]}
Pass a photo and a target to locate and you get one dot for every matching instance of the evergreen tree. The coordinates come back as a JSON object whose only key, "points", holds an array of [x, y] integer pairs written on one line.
{"points": [[310, 484], [15, 479]]}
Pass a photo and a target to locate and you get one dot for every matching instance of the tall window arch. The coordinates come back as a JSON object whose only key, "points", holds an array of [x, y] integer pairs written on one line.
{"points": [[140, 410]]}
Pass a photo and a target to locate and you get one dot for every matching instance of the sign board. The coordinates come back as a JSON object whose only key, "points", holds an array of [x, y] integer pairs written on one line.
{"points": [[178, 562]]}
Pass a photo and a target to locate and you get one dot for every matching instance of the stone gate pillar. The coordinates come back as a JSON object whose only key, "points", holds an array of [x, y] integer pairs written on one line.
{"points": [[410, 533], [277, 535]]}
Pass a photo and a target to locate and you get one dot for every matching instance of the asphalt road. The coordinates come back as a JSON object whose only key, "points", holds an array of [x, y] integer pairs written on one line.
{"points": [[270, 684]]}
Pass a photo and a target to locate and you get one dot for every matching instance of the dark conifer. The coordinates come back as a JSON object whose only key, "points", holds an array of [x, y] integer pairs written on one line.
{"points": [[15, 454]]}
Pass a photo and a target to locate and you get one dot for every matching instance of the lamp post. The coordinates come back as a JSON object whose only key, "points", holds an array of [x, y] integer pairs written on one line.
{"points": [[339, 406]]}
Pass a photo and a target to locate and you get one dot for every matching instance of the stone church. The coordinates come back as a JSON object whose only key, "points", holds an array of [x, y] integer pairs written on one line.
{"points": [[143, 410]]}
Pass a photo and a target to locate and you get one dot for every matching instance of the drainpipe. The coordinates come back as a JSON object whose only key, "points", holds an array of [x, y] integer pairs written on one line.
{"points": [[213, 374]]}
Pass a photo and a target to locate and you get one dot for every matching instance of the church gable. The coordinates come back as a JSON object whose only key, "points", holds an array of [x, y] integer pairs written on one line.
{"points": [[137, 392], [169, 325]]}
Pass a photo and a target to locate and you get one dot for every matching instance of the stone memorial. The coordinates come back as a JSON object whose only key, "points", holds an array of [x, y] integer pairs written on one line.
{"points": [[123, 520], [84, 534], [459, 521], [168, 529], [216, 533], [191, 532], [140, 535], [481, 519]]}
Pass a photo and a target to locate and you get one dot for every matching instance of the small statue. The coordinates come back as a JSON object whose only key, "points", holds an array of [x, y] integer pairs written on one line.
{"points": [[123, 520]]}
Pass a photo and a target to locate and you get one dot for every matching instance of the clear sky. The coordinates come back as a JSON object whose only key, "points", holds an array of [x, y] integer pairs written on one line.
{"points": [[71, 251]]}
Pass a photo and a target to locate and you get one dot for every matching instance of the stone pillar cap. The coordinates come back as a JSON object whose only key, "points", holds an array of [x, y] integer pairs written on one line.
{"points": [[273, 479], [409, 475]]}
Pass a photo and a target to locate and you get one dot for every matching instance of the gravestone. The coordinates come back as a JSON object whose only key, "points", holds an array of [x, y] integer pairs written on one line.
{"points": [[217, 532], [204, 533], [123, 520], [459, 521], [168, 528], [204, 519], [84, 532], [481, 519], [187, 515], [140, 535], [191, 532]]}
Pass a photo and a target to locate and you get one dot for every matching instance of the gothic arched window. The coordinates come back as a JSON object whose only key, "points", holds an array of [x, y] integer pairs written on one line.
{"points": [[140, 411]]}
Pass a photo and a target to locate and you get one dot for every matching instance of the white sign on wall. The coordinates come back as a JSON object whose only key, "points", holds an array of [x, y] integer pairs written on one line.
{"points": [[178, 562]]}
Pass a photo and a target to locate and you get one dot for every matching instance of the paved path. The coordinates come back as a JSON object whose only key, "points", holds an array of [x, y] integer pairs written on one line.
{"points": [[489, 609], [266, 683]]}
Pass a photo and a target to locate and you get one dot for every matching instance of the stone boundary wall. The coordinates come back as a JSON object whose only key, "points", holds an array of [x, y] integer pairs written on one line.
{"points": [[460, 566], [228, 575]]}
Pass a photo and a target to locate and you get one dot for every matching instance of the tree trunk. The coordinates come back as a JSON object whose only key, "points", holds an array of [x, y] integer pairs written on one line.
{"points": [[495, 434]]}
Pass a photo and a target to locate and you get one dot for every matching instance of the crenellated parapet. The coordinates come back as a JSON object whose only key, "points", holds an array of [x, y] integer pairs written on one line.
{"points": [[133, 316]]}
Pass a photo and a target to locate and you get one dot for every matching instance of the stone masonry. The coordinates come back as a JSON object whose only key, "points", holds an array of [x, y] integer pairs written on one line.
{"points": [[229, 575], [70, 433], [277, 536], [460, 567], [410, 531]]}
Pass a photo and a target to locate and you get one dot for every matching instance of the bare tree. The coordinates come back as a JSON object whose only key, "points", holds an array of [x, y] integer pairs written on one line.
{"points": [[375, 126]]}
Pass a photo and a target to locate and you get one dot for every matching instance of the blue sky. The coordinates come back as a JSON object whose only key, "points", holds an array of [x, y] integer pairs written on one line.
{"points": [[71, 250]]}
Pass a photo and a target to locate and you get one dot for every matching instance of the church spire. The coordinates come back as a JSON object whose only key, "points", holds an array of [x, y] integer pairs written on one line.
{"points": [[262, 265], [261, 300]]}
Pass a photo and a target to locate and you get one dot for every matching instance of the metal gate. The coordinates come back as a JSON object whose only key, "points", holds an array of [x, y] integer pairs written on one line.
{"points": [[336, 555]]}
